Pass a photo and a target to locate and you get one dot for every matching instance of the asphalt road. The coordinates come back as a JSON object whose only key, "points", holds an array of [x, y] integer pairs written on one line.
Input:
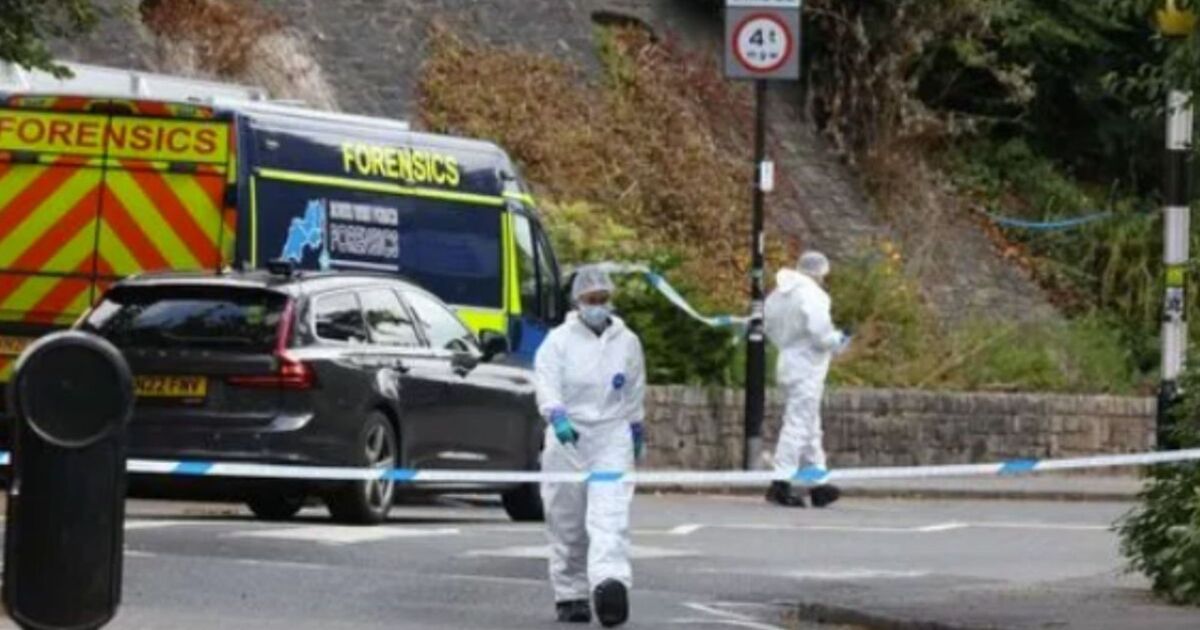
{"points": [[706, 562]]}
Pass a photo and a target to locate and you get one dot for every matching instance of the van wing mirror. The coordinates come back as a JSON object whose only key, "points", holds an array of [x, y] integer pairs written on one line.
{"points": [[494, 344]]}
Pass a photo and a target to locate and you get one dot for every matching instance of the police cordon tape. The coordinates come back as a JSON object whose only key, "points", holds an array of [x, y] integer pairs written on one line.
{"points": [[660, 284], [1049, 226], [804, 476]]}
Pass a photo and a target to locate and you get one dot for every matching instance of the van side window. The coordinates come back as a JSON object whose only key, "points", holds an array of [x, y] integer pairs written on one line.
{"points": [[389, 321], [547, 277], [339, 318], [527, 266]]}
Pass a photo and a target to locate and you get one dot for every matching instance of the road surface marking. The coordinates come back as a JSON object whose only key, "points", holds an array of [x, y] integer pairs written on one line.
{"points": [[841, 574], [856, 574], [162, 523], [308, 566], [942, 527], [1068, 527], [543, 552], [514, 529], [866, 529], [722, 618], [149, 524], [686, 530], [497, 579], [343, 535]]}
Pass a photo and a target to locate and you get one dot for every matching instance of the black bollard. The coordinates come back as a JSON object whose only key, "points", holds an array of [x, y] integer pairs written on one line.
{"points": [[71, 397]]}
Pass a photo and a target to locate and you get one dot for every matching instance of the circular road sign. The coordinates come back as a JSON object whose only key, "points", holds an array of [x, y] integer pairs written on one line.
{"points": [[762, 42]]}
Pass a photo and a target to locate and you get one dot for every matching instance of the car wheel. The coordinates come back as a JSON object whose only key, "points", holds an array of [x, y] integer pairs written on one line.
{"points": [[368, 502], [276, 506], [524, 503]]}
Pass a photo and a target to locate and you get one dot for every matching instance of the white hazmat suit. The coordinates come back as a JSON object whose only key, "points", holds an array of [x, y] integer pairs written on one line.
{"points": [[600, 381], [799, 323]]}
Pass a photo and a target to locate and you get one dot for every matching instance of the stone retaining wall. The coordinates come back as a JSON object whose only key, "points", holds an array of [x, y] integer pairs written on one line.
{"points": [[695, 428]]}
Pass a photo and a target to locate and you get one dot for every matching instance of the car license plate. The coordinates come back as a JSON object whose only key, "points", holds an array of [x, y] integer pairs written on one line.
{"points": [[13, 346], [180, 387]]}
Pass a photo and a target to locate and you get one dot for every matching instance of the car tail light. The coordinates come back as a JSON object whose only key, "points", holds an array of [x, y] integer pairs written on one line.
{"points": [[292, 373]]}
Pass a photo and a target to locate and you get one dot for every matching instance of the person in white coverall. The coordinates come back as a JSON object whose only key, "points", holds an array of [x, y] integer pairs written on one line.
{"points": [[799, 323], [591, 382]]}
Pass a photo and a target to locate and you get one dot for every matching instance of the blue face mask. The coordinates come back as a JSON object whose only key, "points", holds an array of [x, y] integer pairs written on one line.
{"points": [[595, 315]]}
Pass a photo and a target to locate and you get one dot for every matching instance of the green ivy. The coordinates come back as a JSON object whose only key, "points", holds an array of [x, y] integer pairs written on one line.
{"points": [[1161, 537]]}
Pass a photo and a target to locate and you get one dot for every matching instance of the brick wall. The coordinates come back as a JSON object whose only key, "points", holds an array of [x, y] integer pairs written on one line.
{"points": [[696, 428]]}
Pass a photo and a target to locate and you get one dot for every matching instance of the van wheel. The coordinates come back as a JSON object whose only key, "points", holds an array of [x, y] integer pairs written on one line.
{"points": [[368, 502], [524, 503], [276, 506]]}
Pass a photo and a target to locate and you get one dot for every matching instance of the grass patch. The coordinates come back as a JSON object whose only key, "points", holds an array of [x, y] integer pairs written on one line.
{"points": [[899, 343]]}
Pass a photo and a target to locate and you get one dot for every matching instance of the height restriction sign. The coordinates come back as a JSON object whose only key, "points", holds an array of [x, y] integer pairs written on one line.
{"points": [[762, 39]]}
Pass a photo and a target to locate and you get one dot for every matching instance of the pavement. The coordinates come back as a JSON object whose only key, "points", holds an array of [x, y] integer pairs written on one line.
{"points": [[704, 561]]}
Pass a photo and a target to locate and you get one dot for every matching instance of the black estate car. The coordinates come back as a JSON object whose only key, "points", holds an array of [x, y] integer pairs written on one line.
{"points": [[331, 369]]}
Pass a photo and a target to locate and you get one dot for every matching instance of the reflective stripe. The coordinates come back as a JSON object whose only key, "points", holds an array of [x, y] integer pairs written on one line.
{"points": [[148, 218], [253, 222], [22, 207], [483, 319], [69, 208], [382, 187], [522, 197], [75, 255], [512, 278]]}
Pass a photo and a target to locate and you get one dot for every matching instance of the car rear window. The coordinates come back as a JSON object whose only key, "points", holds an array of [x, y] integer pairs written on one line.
{"points": [[223, 318]]}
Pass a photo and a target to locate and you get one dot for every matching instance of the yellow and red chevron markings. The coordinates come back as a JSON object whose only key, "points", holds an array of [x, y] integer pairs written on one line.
{"points": [[64, 223]]}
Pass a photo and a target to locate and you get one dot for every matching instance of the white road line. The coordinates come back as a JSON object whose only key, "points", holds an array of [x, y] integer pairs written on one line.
{"points": [[1069, 527], [686, 530], [307, 566], [934, 528], [865, 529], [343, 535], [514, 529], [942, 527], [496, 579], [722, 618], [165, 523], [543, 552], [856, 574], [148, 524], [830, 575]]}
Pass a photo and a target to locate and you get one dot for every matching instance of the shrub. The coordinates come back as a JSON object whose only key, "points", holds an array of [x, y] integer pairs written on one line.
{"points": [[899, 343], [659, 145], [1161, 537]]}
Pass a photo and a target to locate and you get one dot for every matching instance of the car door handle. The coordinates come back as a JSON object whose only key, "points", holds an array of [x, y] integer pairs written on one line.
{"points": [[400, 366]]}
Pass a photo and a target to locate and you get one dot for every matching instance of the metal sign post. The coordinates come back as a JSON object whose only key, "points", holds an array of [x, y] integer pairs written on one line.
{"points": [[762, 42], [1177, 24]]}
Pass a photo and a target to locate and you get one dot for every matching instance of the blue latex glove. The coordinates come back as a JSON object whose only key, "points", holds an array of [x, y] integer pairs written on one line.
{"points": [[563, 429], [639, 439]]}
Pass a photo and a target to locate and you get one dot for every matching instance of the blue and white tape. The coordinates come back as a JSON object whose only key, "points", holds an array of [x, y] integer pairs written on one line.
{"points": [[1049, 226], [713, 479], [661, 285]]}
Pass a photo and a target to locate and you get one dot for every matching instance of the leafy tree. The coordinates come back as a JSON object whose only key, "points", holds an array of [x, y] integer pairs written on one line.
{"points": [[25, 25]]}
